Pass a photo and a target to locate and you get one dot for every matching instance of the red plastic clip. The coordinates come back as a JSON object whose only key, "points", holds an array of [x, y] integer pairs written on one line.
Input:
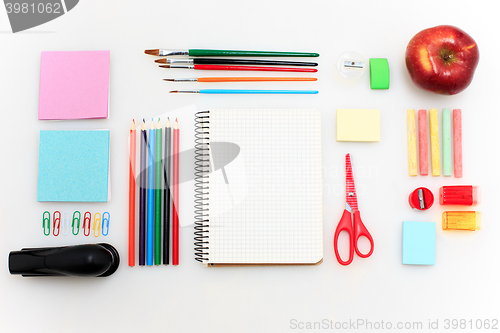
{"points": [[86, 223], [57, 223]]}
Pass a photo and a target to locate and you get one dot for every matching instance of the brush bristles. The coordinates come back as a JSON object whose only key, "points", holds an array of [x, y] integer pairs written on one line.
{"points": [[153, 52], [169, 80], [165, 66], [161, 61]]}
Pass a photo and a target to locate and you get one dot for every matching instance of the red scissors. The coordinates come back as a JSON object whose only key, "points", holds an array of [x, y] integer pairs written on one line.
{"points": [[353, 225]]}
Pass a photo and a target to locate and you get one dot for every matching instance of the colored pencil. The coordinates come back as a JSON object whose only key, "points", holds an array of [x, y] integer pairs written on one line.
{"points": [[175, 217], [241, 68], [243, 91], [242, 79], [158, 202], [457, 142], [143, 195], [423, 143], [226, 53], [131, 197], [219, 61], [166, 193], [151, 198]]}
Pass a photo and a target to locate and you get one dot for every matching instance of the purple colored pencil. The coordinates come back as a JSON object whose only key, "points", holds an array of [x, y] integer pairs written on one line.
{"points": [[142, 196]]}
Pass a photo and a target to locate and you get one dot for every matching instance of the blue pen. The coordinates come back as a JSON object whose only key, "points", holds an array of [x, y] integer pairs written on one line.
{"points": [[151, 196], [244, 91]]}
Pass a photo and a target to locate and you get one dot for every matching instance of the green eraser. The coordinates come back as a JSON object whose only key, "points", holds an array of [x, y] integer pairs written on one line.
{"points": [[379, 73]]}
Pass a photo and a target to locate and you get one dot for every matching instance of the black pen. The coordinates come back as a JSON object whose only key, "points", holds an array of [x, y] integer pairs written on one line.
{"points": [[218, 61]]}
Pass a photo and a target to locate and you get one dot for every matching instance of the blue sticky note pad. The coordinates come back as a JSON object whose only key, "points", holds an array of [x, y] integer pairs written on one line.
{"points": [[419, 243], [73, 166]]}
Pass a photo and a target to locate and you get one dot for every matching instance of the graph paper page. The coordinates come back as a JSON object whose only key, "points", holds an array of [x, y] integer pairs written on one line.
{"points": [[265, 198]]}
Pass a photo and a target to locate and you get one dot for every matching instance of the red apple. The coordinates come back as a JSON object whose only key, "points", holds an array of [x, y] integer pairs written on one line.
{"points": [[442, 59]]}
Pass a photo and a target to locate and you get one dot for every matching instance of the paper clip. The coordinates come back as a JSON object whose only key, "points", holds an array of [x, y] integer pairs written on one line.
{"points": [[57, 223], [65, 224], [77, 219], [46, 223], [97, 222], [86, 222], [105, 222]]}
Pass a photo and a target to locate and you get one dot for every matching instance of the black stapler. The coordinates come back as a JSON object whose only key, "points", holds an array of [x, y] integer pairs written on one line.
{"points": [[87, 260]]}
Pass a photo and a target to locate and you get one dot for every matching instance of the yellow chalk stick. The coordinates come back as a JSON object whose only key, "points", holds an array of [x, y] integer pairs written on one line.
{"points": [[436, 161], [412, 142]]}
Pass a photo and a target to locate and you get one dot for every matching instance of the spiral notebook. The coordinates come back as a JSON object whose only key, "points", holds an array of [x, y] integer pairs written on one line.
{"points": [[258, 179]]}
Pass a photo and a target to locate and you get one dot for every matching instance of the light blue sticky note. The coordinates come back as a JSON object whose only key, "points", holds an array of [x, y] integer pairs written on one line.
{"points": [[73, 166], [419, 243]]}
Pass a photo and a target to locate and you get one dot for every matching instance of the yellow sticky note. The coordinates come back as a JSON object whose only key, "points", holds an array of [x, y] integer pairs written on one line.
{"points": [[358, 125]]}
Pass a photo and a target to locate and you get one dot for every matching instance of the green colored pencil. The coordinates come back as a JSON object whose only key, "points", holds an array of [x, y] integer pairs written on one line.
{"points": [[158, 190]]}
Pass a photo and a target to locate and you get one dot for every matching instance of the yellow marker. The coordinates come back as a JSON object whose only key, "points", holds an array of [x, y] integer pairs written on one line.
{"points": [[436, 162], [412, 143], [461, 220]]}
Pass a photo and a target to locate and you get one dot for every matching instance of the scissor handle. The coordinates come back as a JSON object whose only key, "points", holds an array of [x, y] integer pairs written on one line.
{"points": [[345, 224], [360, 230]]}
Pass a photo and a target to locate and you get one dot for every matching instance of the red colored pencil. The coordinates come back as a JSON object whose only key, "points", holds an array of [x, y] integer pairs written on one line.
{"points": [[131, 198], [175, 190], [242, 68]]}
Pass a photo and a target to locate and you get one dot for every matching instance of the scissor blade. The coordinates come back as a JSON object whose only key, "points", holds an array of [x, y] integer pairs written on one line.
{"points": [[351, 197]]}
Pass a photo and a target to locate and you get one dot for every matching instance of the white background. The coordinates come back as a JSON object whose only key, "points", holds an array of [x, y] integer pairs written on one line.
{"points": [[464, 283]]}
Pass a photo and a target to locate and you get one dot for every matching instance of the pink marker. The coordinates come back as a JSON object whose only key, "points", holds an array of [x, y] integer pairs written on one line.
{"points": [[457, 142], [422, 143]]}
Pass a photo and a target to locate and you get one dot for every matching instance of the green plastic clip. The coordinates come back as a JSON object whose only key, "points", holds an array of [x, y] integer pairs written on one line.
{"points": [[76, 218], [46, 223]]}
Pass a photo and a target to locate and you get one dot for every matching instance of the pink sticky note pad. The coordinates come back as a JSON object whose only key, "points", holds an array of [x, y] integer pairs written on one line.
{"points": [[74, 85]]}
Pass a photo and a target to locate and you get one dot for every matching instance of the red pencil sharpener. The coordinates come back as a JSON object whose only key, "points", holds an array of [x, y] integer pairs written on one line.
{"points": [[421, 199], [465, 195]]}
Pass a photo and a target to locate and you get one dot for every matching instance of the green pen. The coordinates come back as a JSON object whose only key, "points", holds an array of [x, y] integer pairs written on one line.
{"points": [[226, 53]]}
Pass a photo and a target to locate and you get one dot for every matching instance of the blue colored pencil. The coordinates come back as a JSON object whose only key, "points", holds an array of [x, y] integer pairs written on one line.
{"points": [[151, 196], [244, 91]]}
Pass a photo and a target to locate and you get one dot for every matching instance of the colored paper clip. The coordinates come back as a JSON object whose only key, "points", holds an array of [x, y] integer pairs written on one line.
{"points": [[105, 222], [86, 223], [65, 224], [76, 217], [57, 223], [97, 222], [46, 223]]}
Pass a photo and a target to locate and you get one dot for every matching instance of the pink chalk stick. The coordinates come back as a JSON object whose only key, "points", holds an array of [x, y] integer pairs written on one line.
{"points": [[457, 142], [423, 143]]}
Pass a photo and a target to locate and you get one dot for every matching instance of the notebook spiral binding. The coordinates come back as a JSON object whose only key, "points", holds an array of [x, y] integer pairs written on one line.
{"points": [[201, 170]]}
